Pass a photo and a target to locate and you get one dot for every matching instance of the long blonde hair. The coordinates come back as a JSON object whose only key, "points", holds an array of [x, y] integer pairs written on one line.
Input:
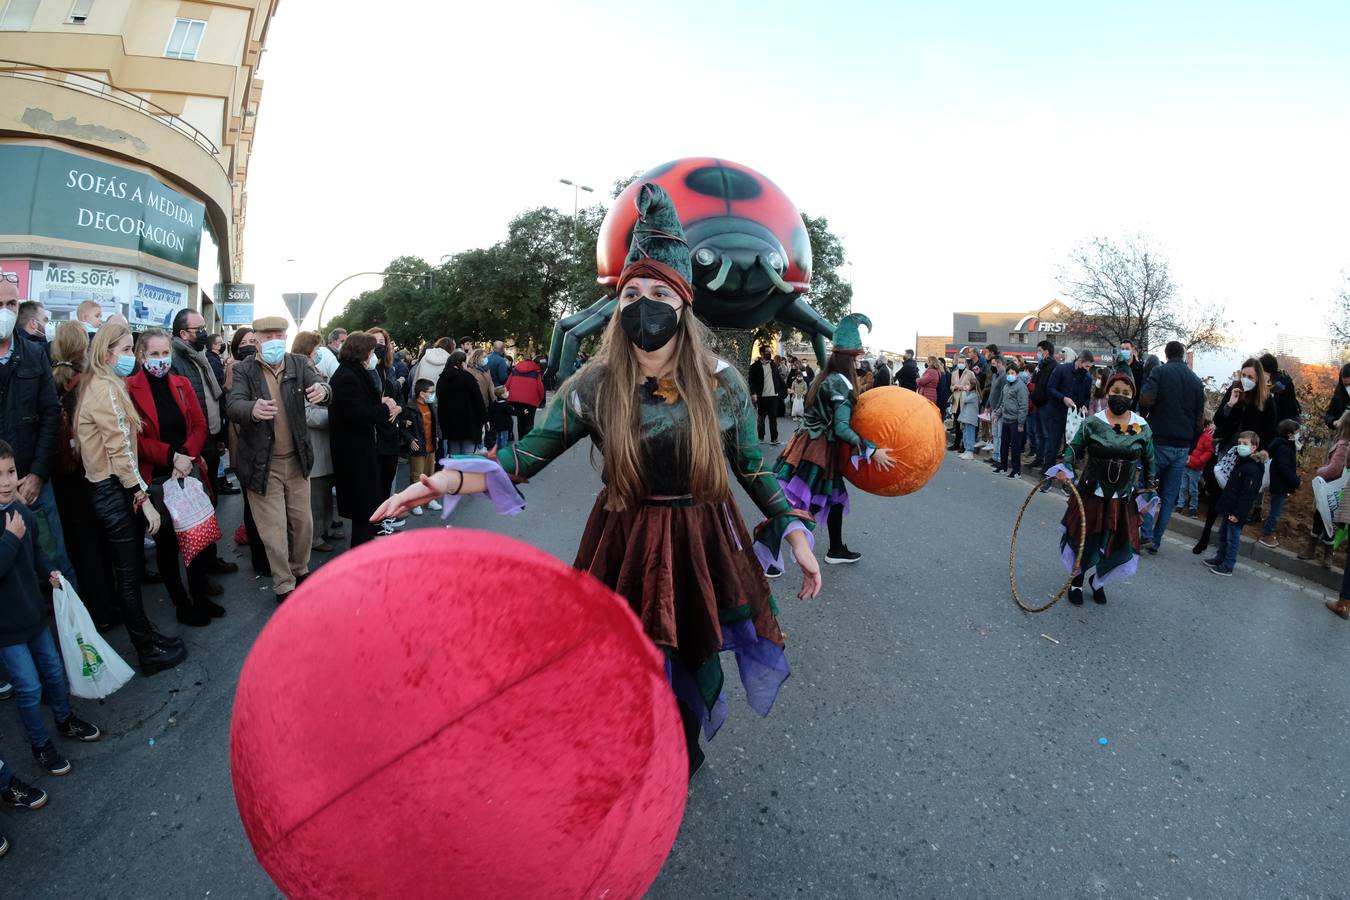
{"points": [[102, 376], [699, 451], [70, 353]]}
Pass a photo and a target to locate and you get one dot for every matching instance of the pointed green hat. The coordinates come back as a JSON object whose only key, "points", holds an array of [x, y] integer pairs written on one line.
{"points": [[658, 235], [846, 337]]}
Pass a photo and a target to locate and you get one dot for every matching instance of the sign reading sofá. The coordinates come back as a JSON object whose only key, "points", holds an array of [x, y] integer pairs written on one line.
{"points": [[55, 194]]}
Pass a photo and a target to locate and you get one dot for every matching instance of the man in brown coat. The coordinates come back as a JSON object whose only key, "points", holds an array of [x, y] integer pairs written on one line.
{"points": [[273, 455]]}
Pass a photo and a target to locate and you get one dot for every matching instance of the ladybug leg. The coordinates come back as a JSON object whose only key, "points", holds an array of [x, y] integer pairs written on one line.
{"points": [[571, 341], [555, 347], [801, 316]]}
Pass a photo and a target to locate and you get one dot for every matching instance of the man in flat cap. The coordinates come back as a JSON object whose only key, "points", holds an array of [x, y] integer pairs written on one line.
{"points": [[267, 401]]}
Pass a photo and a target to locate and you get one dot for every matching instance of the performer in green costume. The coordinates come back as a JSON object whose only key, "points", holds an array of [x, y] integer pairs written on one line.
{"points": [[664, 533], [810, 467], [1113, 454]]}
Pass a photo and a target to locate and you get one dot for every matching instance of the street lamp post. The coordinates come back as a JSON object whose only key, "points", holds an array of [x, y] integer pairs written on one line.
{"points": [[576, 195], [429, 276]]}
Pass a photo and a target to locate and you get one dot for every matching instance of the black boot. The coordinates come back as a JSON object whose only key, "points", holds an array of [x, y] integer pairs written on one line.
{"points": [[154, 651], [1076, 590], [691, 730]]}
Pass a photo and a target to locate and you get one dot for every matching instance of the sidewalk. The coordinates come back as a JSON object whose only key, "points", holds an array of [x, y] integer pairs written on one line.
{"points": [[1277, 558]]}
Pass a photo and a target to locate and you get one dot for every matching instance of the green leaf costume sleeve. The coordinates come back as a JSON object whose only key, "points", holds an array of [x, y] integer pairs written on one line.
{"points": [[840, 400], [562, 427], [741, 442]]}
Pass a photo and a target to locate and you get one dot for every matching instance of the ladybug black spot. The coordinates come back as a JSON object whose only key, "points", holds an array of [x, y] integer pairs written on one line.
{"points": [[727, 184], [659, 171]]}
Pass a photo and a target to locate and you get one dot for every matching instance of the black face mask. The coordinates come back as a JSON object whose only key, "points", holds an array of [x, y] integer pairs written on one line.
{"points": [[379, 352], [199, 339], [650, 324], [246, 351], [1118, 403]]}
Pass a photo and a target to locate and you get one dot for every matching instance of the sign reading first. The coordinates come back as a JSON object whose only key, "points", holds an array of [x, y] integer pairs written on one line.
{"points": [[62, 195]]}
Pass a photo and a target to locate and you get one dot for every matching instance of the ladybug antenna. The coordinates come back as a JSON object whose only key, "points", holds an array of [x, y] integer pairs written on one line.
{"points": [[774, 276]]}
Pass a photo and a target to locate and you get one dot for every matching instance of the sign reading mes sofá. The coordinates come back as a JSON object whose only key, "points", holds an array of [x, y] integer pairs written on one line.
{"points": [[62, 195]]}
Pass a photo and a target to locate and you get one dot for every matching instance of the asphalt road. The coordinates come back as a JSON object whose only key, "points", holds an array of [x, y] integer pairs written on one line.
{"points": [[933, 740]]}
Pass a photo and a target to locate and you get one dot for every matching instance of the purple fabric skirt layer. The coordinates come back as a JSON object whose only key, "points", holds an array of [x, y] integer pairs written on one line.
{"points": [[763, 668], [1067, 552], [800, 496]]}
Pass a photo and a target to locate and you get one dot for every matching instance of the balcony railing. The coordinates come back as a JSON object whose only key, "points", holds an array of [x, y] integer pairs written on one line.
{"points": [[75, 81]]}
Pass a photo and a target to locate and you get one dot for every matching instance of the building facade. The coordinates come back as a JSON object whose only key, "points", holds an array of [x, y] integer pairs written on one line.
{"points": [[1017, 334], [125, 133]]}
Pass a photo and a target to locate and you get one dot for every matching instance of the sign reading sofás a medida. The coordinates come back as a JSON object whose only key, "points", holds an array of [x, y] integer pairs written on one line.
{"points": [[51, 193]]}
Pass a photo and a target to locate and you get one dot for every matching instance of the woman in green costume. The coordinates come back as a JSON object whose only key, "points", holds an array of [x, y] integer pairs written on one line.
{"points": [[667, 417], [810, 468], [1112, 454]]}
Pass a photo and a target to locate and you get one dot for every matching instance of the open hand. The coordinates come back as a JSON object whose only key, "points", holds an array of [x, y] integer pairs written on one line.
{"points": [[806, 561], [882, 459], [14, 524], [151, 518], [430, 487]]}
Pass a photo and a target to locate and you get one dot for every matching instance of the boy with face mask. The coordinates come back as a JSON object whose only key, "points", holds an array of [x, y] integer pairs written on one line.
{"points": [[1236, 502]]}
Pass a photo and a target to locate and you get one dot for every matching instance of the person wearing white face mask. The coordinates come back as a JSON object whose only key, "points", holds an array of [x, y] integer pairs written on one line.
{"points": [[267, 400], [1246, 406], [965, 406], [169, 445]]}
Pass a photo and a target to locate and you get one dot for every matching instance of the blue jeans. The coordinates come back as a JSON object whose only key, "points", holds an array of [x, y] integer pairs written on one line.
{"points": [[1190, 490], [33, 666], [1276, 507], [503, 438], [969, 431], [457, 447], [1230, 542], [1033, 433], [1171, 465], [50, 536]]}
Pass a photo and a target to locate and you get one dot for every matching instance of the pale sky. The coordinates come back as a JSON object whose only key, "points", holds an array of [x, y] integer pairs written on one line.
{"points": [[959, 149]]}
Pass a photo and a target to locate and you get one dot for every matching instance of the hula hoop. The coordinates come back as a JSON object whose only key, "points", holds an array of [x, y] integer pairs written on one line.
{"points": [[1078, 558]]}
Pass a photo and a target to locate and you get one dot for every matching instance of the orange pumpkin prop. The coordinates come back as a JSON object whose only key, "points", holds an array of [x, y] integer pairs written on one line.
{"points": [[910, 427]]}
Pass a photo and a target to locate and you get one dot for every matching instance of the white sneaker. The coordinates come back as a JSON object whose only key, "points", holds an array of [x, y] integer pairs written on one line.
{"points": [[384, 530], [417, 510], [394, 523], [967, 455], [434, 505]]}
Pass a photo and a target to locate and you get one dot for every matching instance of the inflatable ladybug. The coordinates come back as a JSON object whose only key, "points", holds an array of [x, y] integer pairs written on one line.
{"points": [[750, 252]]}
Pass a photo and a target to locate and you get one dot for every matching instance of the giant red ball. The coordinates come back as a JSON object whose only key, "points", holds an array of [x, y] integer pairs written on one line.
{"points": [[910, 427], [455, 713]]}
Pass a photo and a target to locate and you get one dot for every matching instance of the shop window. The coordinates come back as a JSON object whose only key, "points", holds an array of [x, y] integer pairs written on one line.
{"points": [[18, 15], [1018, 337], [977, 335], [80, 11], [185, 39]]}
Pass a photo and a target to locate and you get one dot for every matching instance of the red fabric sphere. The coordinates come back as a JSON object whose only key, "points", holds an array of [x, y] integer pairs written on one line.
{"points": [[908, 425], [455, 713]]}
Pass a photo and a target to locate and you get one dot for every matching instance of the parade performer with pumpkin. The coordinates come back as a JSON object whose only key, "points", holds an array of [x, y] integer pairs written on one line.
{"points": [[810, 468], [667, 417], [1112, 454]]}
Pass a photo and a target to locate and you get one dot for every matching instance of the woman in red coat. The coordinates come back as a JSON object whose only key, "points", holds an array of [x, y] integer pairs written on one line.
{"points": [[173, 432]]}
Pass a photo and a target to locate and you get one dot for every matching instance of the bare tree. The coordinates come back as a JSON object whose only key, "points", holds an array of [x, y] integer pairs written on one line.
{"points": [[1340, 312], [1124, 291]]}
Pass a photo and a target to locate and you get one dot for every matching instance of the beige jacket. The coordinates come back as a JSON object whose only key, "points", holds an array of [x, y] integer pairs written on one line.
{"points": [[106, 441]]}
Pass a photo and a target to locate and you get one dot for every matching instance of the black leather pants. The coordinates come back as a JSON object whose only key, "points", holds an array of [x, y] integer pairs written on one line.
{"points": [[113, 507]]}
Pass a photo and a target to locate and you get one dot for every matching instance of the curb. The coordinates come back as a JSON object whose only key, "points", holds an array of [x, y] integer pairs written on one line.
{"points": [[1273, 557]]}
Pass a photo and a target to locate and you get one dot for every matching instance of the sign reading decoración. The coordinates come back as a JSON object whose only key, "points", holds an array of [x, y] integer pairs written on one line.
{"points": [[55, 194]]}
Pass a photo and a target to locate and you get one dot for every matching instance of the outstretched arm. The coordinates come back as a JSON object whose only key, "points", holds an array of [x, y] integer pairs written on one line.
{"points": [[556, 360], [801, 315]]}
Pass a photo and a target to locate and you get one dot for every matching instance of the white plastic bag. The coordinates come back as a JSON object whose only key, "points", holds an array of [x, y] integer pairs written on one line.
{"points": [[93, 669], [1327, 496], [1072, 422], [194, 519]]}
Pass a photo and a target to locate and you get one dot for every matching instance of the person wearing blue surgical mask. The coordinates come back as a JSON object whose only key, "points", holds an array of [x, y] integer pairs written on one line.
{"points": [[274, 455], [1128, 363]]}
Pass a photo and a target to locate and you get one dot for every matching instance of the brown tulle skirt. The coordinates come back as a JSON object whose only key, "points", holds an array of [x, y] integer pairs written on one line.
{"points": [[684, 569]]}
